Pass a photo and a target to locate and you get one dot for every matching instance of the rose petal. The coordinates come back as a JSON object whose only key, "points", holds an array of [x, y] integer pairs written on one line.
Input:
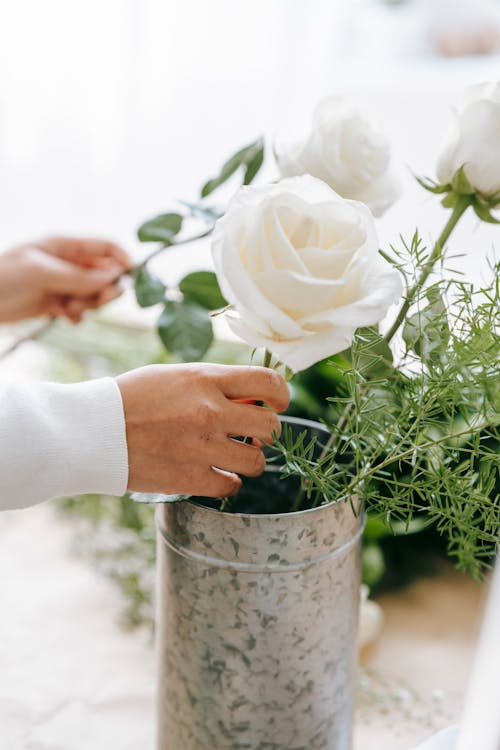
{"points": [[473, 142], [298, 294], [300, 353], [345, 150], [239, 288], [479, 145]]}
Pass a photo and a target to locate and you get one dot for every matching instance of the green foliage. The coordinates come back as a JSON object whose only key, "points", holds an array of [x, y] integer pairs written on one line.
{"points": [[375, 359], [185, 328], [461, 184], [250, 158], [459, 188], [202, 287], [162, 228], [253, 164], [421, 444], [149, 289], [372, 564], [483, 211]]}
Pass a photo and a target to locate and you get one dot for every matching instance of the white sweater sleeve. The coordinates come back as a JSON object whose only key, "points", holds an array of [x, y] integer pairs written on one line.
{"points": [[60, 440]]}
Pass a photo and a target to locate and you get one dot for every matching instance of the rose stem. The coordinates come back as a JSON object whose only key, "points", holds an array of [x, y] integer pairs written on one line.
{"points": [[462, 204]]}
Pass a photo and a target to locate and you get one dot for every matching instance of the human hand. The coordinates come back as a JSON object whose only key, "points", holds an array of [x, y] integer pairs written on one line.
{"points": [[181, 419], [59, 276]]}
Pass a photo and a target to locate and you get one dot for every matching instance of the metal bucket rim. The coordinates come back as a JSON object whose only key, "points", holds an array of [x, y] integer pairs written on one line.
{"points": [[308, 423], [294, 513]]}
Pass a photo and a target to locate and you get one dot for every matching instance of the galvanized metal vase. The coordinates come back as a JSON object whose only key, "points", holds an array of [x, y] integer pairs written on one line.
{"points": [[257, 625]]}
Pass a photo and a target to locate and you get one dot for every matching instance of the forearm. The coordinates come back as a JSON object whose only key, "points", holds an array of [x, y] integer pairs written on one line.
{"points": [[60, 440]]}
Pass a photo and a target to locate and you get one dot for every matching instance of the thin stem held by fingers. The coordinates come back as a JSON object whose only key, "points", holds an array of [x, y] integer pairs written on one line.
{"points": [[47, 325]]}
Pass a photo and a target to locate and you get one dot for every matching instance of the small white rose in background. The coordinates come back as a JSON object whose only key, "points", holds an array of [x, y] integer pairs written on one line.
{"points": [[474, 143], [301, 268], [345, 150]]}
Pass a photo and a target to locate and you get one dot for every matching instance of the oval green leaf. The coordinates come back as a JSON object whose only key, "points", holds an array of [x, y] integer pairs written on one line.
{"points": [[162, 228], [185, 328], [149, 289], [254, 165], [203, 288], [244, 157]]}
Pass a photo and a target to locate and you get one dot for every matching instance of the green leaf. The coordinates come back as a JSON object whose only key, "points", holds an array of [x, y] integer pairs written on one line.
{"points": [[149, 289], [244, 157], [372, 564], [484, 213], [376, 528], [254, 165], [371, 354], [435, 299], [431, 186], [493, 200], [450, 200], [162, 228], [185, 329], [413, 526], [203, 288], [461, 184]]}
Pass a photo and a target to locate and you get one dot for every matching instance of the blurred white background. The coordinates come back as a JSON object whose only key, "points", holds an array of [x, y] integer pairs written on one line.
{"points": [[109, 111]]}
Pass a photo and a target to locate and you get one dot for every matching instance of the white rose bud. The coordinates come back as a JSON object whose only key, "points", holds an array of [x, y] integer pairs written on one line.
{"points": [[474, 143], [301, 268], [346, 151]]}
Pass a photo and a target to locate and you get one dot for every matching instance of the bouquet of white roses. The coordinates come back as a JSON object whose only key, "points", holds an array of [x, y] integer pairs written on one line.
{"points": [[299, 274]]}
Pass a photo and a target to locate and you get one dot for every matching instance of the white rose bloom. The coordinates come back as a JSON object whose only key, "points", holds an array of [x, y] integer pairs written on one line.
{"points": [[301, 268], [346, 151], [474, 142]]}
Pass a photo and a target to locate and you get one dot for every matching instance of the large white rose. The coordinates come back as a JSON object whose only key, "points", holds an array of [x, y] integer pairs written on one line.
{"points": [[474, 142], [346, 151], [301, 267]]}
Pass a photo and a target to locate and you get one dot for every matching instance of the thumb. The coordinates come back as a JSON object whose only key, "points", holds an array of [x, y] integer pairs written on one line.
{"points": [[63, 277]]}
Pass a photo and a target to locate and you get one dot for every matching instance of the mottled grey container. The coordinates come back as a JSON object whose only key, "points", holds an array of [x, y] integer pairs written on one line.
{"points": [[257, 628]]}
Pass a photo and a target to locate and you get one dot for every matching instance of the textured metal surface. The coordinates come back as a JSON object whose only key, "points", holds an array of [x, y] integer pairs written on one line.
{"points": [[257, 621]]}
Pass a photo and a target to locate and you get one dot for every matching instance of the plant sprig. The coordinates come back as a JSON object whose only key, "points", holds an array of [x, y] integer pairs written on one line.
{"points": [[422, 442]]}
